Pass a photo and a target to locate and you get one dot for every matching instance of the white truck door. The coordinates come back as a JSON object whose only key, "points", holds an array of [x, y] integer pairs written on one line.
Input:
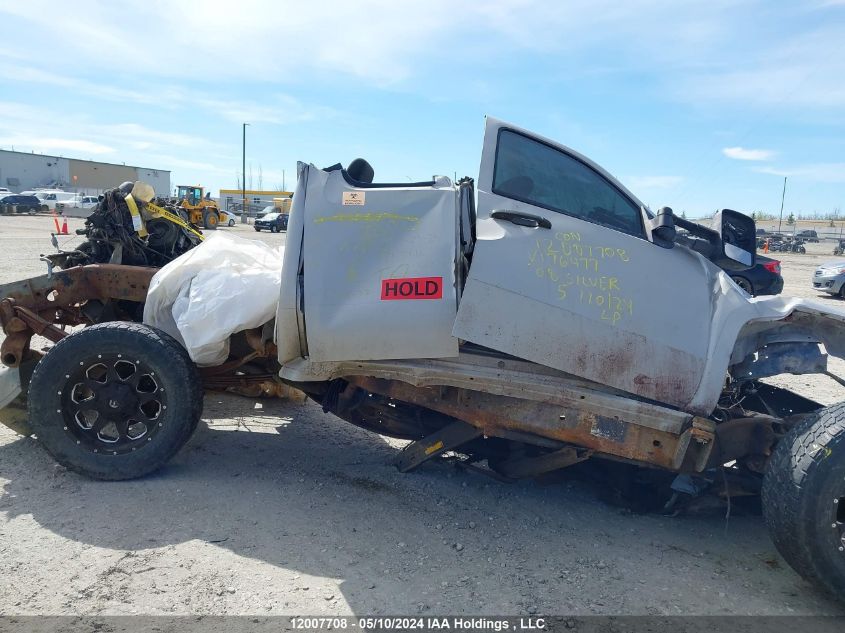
{"points": [[378, 268], [563, 274]]}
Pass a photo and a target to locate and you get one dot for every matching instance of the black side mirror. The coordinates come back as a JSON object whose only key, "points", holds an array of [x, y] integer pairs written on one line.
{"points": [[662, 227], [738, 233]]}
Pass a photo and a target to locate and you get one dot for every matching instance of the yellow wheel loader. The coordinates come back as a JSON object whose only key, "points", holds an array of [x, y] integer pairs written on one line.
{"points": [[202, 210]]}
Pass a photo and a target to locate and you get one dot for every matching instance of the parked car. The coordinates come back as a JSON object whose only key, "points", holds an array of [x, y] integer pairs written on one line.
{"points": [[830, 278], [80, 202], [273, 222], [17, 203], [50, 197], [808, 235], [763, 278], [42, 205], [5, 192]]}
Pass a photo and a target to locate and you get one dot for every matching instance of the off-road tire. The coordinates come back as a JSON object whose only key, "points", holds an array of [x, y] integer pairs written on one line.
{"points": [[210, 220], [804, 498], [78, 448]]}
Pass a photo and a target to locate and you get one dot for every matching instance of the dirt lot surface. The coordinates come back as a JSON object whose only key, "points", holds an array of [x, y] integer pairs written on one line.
{"points": [[276, 508]]}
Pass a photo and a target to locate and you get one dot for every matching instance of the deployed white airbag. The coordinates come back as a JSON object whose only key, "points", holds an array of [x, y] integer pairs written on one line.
{"points": [[224, 285]]}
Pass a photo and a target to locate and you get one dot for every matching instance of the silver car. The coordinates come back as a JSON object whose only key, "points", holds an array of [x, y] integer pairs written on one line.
{"points": [[830, 277]]}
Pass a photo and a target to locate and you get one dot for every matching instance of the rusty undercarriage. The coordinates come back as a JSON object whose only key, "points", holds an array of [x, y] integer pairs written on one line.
{"points": [[447, 412]]}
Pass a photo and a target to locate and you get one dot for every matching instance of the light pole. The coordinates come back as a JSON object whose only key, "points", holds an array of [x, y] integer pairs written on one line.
{"points": [[243, 177], [783, 195]]}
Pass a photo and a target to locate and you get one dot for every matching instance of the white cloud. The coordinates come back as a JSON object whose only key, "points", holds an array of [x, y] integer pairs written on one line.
{"points": [[815, 172], [742, 153], [378, 41], [802, 70], [49, 145], [34, 128], [654, 182], [697, 53], [275, 108], [279, 109]]}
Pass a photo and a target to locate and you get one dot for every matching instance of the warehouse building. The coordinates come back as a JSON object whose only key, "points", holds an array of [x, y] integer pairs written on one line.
{"points": [[232, 199], [20, 171]]}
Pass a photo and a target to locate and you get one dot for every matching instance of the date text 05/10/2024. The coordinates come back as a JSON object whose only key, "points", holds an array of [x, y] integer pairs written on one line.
{"points": [[416, 623]]}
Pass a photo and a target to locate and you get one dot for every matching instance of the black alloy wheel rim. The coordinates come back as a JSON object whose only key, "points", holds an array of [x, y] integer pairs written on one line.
{"points": [[112, 404]]}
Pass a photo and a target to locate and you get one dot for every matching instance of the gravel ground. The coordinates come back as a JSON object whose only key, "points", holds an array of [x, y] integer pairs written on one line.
{"points": [[276, 508]]}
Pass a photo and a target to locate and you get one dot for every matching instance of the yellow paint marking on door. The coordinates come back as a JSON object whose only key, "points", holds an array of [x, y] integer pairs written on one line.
{"points": [[365, 217]]}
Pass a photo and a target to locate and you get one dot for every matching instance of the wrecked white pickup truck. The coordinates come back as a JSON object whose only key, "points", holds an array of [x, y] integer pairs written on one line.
{"points": [[547, 319]]}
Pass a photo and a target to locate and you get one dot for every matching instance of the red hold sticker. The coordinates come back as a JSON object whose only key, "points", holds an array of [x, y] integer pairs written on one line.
{"points": [[412, 288]]}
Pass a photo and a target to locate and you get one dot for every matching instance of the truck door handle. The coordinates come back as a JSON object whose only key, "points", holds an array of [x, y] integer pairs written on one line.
{"points": [[522, 219]]}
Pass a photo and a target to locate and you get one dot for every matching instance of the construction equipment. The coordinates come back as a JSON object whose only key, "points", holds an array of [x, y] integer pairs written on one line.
{"points": [[126, 227], [201, 209]]}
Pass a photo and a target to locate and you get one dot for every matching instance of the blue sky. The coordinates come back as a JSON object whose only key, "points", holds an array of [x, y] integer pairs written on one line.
{"points": [[695, 105]]}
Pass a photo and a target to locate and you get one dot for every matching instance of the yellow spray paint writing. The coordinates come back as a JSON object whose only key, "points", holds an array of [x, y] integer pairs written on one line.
{"points": [[366, 217]]}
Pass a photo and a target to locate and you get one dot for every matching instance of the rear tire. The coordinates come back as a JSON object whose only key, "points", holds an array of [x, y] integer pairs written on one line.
{"points": [[804, 498], [744, 283], [115, 401]]}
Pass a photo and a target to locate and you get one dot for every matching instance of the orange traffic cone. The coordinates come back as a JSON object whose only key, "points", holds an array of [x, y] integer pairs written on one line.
{"points": [[64, 226], [56, 222]]}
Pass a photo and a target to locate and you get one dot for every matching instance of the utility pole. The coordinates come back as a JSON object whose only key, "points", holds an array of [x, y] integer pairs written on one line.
{"points": [[782, 197], [243, 177]]}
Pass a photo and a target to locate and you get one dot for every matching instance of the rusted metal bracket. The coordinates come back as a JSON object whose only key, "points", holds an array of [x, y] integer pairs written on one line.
{"points": [[35, 305], [75, 285], [39, 326], [524, 467], [448, 438], [695, 445]]}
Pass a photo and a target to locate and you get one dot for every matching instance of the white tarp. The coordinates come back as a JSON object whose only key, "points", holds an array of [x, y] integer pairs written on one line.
{"points": [[224, 285]]}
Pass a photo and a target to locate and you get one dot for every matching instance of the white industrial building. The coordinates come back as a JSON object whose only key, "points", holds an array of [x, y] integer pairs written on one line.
{"points": [[232, 199], [21, 171]]}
